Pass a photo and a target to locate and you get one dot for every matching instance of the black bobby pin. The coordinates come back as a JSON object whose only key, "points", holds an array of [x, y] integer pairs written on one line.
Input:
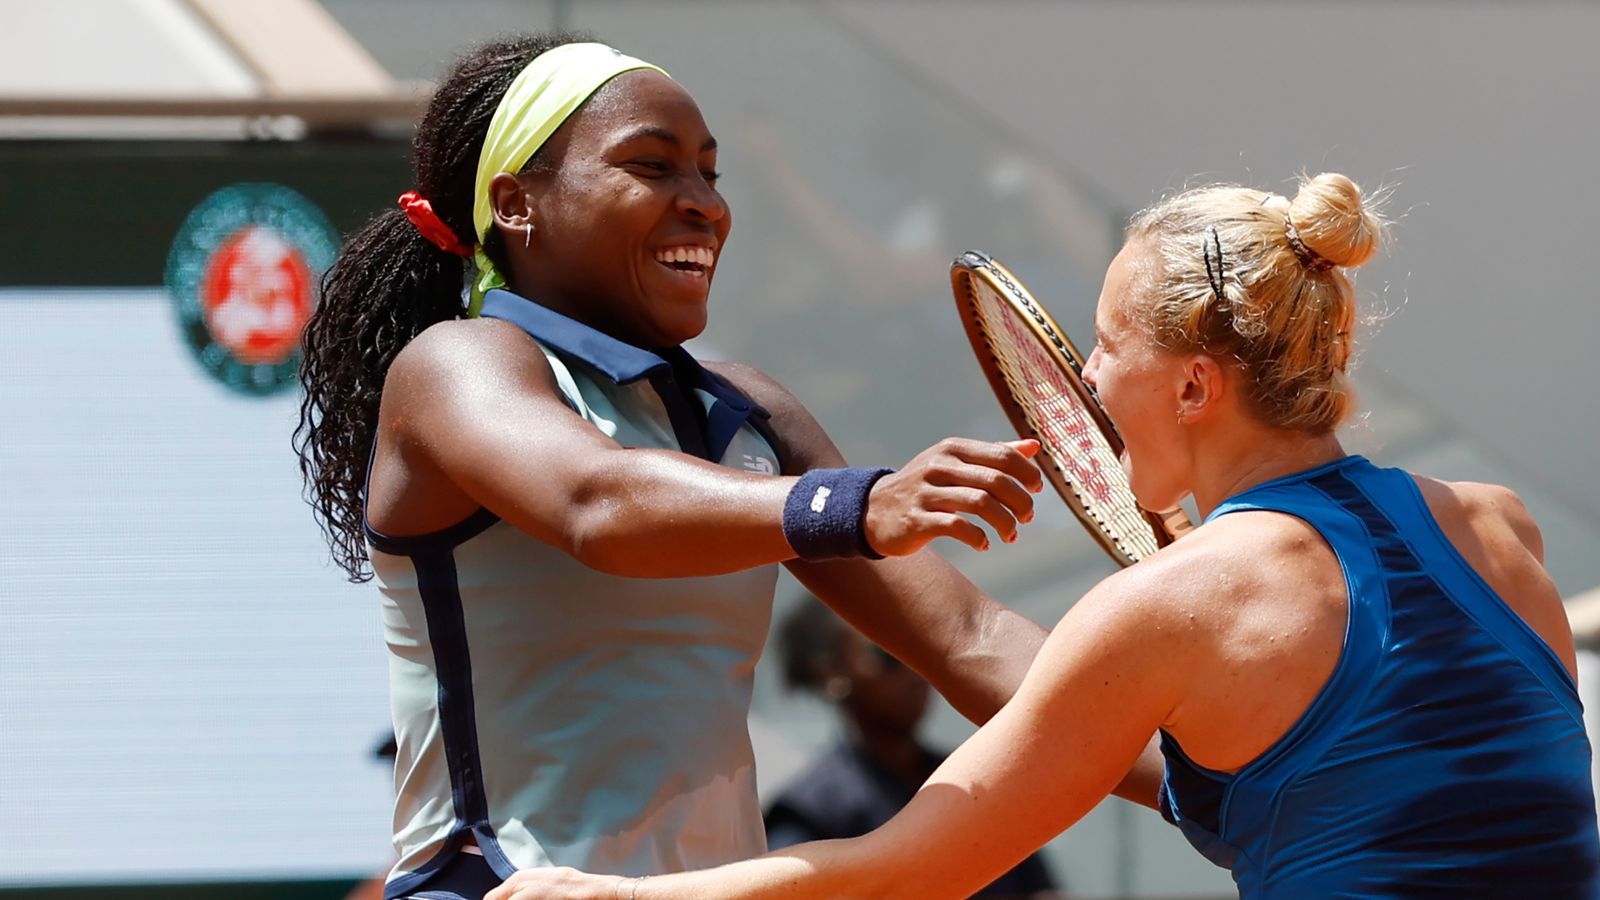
{"points": [[1215, 276]]}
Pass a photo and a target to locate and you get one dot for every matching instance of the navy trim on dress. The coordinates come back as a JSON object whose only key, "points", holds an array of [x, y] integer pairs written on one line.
{"points": [[401, 887], [433, 541], [447, 633], [674, 374], [619, 361]]}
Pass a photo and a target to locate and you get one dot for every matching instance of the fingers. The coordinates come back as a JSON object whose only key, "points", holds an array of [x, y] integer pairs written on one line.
{"points": [[1014, 501], [548, 883], [987, 505], [954, 526], [1003, 471], [950, 489], [1014, 458], [1028, 447]]}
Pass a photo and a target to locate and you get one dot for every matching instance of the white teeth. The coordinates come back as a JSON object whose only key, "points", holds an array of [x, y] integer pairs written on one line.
{"points": [[701, 256]]}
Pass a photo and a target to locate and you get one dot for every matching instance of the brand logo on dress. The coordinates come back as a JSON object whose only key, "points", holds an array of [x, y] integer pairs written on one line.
{"points": [[759, 465], [819, 501], [243, 276]]}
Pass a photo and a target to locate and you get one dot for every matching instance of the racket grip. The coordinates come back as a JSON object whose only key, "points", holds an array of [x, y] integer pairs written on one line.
{"points": [[1176, 521]]}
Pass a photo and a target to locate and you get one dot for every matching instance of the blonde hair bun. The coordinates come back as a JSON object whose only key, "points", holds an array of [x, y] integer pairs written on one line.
{"points": [[1249, 275], [1335, 222]]}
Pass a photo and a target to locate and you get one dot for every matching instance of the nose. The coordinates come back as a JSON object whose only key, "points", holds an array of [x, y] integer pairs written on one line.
{"points": [[1091, 368], [701, 200]]}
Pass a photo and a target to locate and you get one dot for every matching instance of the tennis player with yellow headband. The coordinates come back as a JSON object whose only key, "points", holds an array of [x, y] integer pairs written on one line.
{"points": [[575, 525]]}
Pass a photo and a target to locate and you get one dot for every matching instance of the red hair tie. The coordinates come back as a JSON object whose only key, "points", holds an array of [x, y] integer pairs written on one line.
{"points": [[430, 226]]}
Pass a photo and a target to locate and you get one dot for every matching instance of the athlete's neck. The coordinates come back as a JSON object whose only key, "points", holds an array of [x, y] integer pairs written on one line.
{"points": [[1264, 454]]}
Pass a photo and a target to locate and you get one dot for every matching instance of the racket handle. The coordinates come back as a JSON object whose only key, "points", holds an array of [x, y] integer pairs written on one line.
{"points": [[1176, 521]]}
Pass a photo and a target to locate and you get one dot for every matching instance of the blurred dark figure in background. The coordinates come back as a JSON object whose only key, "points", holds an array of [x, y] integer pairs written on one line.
{"points": [[372, 888], [879, 764]]}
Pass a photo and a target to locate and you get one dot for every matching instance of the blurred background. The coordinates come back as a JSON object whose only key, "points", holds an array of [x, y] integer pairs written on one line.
{"points": [[191, 695]]}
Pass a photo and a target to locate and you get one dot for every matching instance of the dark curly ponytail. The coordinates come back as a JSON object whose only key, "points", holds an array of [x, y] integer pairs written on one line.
{"points": [[388, 284]]}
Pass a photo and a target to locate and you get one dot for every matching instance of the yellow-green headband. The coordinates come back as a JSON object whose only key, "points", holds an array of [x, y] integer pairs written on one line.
{"points": [[548, 91]]}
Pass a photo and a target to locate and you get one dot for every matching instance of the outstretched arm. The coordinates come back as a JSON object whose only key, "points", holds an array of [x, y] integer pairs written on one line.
{"points": [[971, 648], [1106, 679], [472, 417]]}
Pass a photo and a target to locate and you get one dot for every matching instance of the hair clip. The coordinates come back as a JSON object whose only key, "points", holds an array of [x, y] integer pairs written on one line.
{"points": [[1215, 276]]}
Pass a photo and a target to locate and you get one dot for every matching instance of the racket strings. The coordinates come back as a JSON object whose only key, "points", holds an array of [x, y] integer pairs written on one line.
{"points": [[1082, 463], [1076, 447]]}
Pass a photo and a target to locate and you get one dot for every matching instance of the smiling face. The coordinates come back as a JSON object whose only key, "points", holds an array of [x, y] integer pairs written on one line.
{"points": [[628, 224], [1140, 385]]}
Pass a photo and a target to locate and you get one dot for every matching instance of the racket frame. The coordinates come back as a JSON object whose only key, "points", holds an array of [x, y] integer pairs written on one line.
{"points": [[975, 265]]}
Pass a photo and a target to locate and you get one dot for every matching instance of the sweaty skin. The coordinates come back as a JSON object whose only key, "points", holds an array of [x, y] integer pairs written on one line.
{"points": [[1222, 639]]}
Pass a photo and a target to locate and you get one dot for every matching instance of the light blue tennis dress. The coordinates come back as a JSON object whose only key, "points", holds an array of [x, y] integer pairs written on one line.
{"points": [[560, 715]]}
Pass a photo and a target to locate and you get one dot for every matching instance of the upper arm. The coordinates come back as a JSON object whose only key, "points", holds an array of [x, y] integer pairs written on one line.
{"points": [[477, 417], [474, 405]]}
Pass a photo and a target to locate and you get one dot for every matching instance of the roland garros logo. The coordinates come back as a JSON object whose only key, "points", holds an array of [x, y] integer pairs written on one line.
{"points": [[243, 276]]}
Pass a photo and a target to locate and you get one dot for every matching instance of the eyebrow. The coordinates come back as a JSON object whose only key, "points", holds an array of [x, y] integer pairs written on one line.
{"points": [[662, 134]]}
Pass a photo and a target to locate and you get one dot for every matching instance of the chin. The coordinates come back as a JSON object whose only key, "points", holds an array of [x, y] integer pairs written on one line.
{"points": [[1160, 500], [682, 328], [1154, 497]]}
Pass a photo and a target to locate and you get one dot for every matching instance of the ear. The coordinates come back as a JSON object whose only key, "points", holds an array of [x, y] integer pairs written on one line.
{"points": [[510, 203], [1201, 389]]}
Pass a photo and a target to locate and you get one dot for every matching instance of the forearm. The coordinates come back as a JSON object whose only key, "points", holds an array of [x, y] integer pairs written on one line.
{"points": [[824, 869], [972, 649], [802, 872], [985, 670], [1142, 784]]}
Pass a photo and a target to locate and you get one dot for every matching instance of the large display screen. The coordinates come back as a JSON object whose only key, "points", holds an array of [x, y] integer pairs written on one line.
{"points": [[188, 689]]}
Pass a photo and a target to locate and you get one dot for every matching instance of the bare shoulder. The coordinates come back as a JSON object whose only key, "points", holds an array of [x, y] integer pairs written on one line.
{"points": [[1492, 530], [451, 364], [443, 400], [1244, 588], [1240, 556], [1205, 582], [447, 350], [1171, 618], [805, 444], [1481, 508], [1249, 610]]}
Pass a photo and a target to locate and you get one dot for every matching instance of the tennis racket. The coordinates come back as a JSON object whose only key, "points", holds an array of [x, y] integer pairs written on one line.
{"points": [[1037, 375]]}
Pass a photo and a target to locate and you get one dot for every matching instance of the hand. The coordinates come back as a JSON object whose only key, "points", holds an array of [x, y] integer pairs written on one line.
{"points": [[560, 884], [954, 478]]}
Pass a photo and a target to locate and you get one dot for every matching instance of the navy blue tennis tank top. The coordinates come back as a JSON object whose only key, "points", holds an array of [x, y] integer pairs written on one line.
{"points": [[1446, 754]]}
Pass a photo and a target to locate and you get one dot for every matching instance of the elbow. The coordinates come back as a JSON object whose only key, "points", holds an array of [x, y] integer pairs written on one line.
{"points": [[595, 528], [597, 536]]}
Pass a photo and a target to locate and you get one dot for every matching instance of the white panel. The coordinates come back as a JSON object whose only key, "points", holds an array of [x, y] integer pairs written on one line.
{"points": [[187, 689]]}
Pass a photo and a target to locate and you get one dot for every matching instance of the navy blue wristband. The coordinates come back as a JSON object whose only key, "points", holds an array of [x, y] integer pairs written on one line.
{"points": [[825, 516]]}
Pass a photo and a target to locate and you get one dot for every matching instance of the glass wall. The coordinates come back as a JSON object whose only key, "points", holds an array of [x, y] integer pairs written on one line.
{"points": [[189, 692]]}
